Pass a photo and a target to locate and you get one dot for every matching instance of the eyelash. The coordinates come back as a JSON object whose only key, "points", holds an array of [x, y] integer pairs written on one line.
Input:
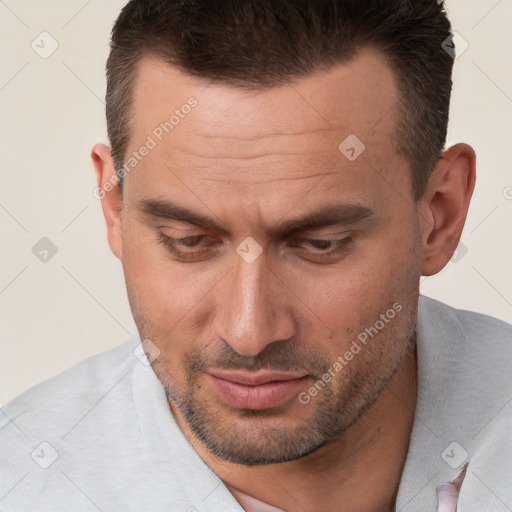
{"points": [[171, 244], [341, 245]]}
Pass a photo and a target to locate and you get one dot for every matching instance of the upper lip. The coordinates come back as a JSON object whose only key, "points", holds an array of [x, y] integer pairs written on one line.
{"points": [[257, 378]]}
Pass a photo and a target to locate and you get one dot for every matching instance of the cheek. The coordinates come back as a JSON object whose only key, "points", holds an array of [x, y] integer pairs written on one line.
{"points": [[169, 298], [352, 297]]}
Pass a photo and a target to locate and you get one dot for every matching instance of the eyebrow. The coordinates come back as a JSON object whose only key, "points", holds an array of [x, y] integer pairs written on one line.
{"points": [[327, 215]]}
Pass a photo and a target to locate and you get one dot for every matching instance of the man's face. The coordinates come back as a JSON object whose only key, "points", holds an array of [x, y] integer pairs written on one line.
{"points": [[246, 327]]}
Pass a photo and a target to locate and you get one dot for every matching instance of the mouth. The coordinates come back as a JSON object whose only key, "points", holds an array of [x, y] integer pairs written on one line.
{"points": [[255, 390]]}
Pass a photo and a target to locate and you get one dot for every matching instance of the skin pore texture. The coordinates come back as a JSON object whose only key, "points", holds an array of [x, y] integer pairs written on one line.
{"points": [[256, 163]]}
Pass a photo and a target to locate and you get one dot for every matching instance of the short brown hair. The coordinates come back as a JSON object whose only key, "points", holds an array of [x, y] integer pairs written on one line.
{"points": [[258, 44]]}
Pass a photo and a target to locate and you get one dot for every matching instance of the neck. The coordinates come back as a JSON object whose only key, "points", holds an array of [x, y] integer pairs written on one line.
{"points": [[359, 472]]}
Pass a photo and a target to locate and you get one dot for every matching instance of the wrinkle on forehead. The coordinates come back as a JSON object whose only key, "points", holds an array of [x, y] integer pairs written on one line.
{"points": [[286, 178], [286, 157], [282, 135], [358, 94], [266, 136], [255, 168]]}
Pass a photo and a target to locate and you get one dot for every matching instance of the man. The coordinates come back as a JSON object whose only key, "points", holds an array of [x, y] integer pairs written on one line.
{"points": [[275, 186]]}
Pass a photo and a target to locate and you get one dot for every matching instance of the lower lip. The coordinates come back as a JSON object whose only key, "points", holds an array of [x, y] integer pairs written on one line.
{"points": [[263, 396]]}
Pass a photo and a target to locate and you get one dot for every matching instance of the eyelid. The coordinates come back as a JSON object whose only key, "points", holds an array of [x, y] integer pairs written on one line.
{"points": [[339, 236], [186, 229], [171, 244], [318, 234], [178, 239], [334, 241], [339, 248]]}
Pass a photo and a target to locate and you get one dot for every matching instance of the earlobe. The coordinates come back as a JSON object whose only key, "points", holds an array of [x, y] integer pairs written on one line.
{"points": [[110, 194], [446, 202]]}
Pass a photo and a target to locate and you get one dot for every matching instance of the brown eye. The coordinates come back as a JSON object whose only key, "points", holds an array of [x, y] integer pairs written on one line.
{"points": [[321, 249], [190, 241], [188, 247]]}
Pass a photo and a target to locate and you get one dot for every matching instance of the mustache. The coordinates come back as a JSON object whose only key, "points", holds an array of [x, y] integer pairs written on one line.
{"points": [[275, 356]]}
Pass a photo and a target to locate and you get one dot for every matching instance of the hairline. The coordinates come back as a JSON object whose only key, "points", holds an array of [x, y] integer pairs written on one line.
{"points": [[401, 124]]}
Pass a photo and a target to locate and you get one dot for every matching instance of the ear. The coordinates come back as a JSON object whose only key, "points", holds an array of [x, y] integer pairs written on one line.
{"points": [[110, 194], [445, 205]]}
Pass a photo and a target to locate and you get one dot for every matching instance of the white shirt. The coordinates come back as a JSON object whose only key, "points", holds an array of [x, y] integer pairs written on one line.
{"points": [[100, 436]]}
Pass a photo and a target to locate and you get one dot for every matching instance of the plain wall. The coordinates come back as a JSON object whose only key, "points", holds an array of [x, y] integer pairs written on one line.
{"points": [[57, 312]]}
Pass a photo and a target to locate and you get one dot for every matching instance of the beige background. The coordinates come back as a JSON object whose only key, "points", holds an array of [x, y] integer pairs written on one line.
{"points": [[56, 313]]}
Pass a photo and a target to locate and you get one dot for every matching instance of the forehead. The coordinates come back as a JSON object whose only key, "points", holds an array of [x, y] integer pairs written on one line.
{"points": [[350, 96], [248, 137]]}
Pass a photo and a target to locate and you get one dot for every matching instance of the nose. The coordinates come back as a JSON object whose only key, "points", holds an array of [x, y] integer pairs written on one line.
{"points": [[253, 310]]}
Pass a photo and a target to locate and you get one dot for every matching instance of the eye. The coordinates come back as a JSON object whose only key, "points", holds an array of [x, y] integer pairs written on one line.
{"points": [[188, 247], [324, 249]]}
